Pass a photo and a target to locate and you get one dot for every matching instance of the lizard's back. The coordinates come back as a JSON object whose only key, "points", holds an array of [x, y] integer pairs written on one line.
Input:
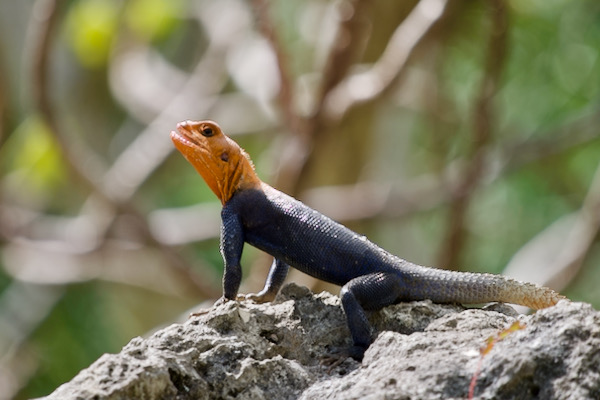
{"points": [[305, 239]]}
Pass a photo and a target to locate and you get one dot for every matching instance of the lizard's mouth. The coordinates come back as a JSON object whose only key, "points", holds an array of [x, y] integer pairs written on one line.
{"points": [[184, 135]]}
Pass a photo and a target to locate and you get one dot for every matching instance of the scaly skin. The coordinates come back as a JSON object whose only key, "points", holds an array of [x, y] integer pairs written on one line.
{"points": [[298, 236]]}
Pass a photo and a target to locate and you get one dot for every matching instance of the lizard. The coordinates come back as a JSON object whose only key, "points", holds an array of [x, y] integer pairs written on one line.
{"points": [[296, 235]]}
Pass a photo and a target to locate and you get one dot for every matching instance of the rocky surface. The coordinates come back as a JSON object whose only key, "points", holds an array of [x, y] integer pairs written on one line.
{"points": [[422, 351]]}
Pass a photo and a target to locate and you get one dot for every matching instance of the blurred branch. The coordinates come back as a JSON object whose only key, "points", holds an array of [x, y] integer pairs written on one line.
{"points": [[371, 84], [57, 241], [578, 242], [369, 200], [343, 52], [576, 132], [184, 225], [339, 93], [556, 254], [286, 83], [3, 122], [3, 99], [341, 56], [23, 307], [122, 262], [482, 133]]}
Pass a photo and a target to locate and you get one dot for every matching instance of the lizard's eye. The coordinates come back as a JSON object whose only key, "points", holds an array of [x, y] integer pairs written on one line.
{"points": [[207, 132]]}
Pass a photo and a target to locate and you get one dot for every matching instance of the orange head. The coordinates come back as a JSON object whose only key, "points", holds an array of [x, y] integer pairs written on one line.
{"points": [[223, 164]]}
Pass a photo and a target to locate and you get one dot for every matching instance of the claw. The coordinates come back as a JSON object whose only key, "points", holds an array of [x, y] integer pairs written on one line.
{"points": [[199, 313], [262, 297], [220, 301], [338, 356], [332, 361]]}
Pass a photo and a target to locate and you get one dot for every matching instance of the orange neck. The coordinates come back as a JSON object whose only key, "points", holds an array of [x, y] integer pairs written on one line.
{"points": [[224, 183]]}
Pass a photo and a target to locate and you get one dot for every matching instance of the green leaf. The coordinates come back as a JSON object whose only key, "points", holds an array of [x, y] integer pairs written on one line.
{"points": [[152, 19], [91, 28], [33, 153]]}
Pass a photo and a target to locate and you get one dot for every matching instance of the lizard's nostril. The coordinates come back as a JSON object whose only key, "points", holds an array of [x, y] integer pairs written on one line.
{"points": [[188, 125], [193, 124]]}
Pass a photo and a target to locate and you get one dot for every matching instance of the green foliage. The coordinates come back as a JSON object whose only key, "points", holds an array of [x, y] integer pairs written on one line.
{"points": [[152, 19], [177, 190], [75, 334], [579, 167], [585, 285], [553, 69], [91, 27], [92, 319], [493, 235], [33, 157]]}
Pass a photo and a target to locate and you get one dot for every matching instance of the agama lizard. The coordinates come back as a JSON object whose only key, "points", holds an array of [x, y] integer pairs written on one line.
{"points": [[298, 236]]}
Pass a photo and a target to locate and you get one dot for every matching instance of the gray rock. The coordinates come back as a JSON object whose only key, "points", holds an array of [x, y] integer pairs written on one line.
{"points": [[422, 351]]}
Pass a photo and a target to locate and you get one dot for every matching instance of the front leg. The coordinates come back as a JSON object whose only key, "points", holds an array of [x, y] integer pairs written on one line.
{"points": [[277, 275], [232, 245]]}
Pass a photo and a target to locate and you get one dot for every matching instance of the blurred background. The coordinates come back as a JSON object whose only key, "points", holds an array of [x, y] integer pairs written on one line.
{"points": [[457, 134]]}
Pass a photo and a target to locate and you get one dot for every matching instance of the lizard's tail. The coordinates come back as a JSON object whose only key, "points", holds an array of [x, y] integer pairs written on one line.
{"points": [[465, 287], [528, 294]]}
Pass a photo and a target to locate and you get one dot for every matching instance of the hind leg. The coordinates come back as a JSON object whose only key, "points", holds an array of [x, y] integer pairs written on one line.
{"points": [[368, 292]]}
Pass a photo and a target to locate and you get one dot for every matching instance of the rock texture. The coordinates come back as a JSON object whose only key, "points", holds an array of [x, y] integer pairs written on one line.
{"points": [[422, 351]]}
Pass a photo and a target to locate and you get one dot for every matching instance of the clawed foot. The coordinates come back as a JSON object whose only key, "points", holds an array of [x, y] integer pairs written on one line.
{"points": [[332, 361], [220, 301], [261, 297], [199, 313], [338, 356]]}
